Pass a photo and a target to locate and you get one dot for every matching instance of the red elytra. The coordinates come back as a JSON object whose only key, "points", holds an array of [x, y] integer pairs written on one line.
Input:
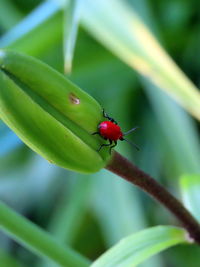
{"points": [[109, 130]]}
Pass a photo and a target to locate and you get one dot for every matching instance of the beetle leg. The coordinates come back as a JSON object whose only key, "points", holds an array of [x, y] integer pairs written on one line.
{"points": [[107, 117], [111, 119], [95, 133], [113, 146], [110, 143]]}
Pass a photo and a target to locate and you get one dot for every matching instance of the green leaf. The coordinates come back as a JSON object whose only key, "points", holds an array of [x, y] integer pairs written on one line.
{"points": [[127, 37], [138, 247], [44, 20], [70, 211], [183, 145], [7, 260], [37, 240], [117, 222], [190, 188], [72, 16], [9, 14], [50, 114]]}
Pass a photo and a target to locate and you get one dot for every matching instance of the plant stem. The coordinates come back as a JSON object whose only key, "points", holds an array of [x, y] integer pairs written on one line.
{"points": [[124, 168], [37, 240]]}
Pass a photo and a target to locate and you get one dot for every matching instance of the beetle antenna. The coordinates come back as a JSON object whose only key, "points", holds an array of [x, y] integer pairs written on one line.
{"points": [[131, 143], [131, 130]]}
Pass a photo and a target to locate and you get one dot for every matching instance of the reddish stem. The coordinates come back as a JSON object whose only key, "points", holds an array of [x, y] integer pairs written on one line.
{"points": [[125, 169]]}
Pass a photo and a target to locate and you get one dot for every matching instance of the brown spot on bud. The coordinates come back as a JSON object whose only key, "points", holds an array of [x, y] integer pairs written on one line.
{"points": [[74, 99]]}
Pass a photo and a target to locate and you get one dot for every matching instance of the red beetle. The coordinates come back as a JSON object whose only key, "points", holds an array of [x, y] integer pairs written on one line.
{"points": [[109, 130]]}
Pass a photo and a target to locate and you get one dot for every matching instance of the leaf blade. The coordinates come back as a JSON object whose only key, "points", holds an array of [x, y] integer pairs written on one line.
{"points": [[190, 188], [128, 40], [72, 17], [138, 247], [37, 240]]}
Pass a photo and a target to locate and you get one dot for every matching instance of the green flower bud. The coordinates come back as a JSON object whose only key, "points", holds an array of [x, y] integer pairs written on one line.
{"points": [[50, 114]]}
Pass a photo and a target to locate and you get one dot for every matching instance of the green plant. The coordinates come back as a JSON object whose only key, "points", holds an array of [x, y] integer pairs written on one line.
{"points": [[56, 119]]}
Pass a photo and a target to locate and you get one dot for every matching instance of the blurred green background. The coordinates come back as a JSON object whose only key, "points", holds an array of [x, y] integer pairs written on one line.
{"points": [[93, 212]]}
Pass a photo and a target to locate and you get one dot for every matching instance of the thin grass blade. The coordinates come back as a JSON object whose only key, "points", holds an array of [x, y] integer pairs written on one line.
{"points": [[37, 240], [71, 23], [44, 20], [138, 247], [190, 188], [126, 36]]}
